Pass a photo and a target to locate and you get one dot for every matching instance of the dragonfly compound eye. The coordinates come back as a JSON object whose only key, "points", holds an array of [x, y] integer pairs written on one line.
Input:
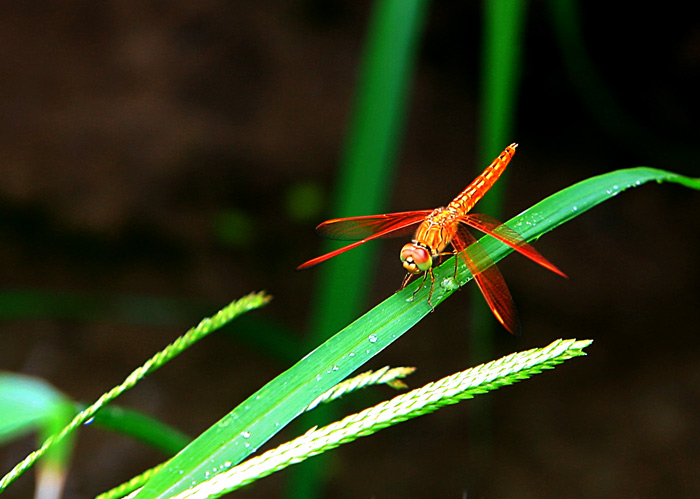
{"points": [[415, 258]]}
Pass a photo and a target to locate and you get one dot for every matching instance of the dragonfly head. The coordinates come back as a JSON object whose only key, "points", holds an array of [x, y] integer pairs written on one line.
{"points": [[416, 258]]}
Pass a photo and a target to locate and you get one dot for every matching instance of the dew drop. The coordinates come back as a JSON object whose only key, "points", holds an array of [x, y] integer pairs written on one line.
{"points": [[245, 434], [372, 338], [449, 284]]}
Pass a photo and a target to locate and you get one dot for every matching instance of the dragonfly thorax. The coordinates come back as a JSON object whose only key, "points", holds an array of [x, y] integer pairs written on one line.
{"points": [[416, 257]]}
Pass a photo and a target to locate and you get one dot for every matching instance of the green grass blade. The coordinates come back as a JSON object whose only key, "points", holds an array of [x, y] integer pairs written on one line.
{"points": [[205, 327], [364, 180], [369, 156], [385, 375], [502, 43], [503, 23], [141, 427], [431, 397], [264, 413]]}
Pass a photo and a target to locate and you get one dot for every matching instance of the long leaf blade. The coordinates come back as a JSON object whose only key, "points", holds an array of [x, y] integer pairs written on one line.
{"points": [[429, 398], [264, 413]]}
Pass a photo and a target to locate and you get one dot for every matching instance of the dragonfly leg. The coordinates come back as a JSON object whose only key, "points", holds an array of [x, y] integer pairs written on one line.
{"points": [[432, 285], [419, 287], [405, 281]]}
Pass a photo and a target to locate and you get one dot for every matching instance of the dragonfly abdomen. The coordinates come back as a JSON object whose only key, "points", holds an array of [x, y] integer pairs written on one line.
{"points": [[466, 200]]}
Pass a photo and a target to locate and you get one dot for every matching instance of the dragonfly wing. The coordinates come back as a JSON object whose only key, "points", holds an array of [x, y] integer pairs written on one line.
{"points": [[494, 228], [372, 227], [489, 279], [386, 225], [323, 258]]}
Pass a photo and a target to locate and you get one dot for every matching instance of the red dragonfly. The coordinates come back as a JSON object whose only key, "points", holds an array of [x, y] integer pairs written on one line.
{"points": [[439, 228]]}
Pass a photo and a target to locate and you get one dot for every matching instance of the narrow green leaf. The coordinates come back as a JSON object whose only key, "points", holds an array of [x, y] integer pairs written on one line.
{"points": [[142, 427], [429, 398], [364, 179], [205, 327], [503, 29], [264, 413], [385, 375]]}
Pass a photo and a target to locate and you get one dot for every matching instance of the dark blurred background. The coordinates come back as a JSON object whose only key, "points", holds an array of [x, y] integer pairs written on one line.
{"points": [[159, 159]]}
